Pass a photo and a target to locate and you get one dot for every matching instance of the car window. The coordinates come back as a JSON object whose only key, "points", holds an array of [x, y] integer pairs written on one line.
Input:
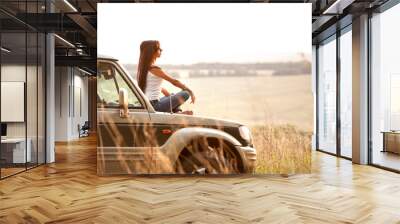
{"points": [[109, 81]]}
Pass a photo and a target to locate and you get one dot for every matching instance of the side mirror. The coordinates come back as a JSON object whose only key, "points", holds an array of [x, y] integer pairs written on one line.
{"points": [[106, 70], [123, 103]]}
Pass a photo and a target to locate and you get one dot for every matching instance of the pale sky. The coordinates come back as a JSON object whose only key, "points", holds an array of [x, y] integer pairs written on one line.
{"points": [[199, 32]]}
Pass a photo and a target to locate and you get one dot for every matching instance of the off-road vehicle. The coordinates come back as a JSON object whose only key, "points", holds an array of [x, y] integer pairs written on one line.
{"points": [[135, 139]]}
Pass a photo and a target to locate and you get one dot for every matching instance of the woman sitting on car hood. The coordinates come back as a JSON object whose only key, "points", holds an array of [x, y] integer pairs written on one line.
{"points": [[150, 78]]}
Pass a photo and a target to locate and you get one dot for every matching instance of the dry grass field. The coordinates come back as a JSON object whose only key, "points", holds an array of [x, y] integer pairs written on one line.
{"points": [[256, 100], [282, 149], [279, 110]]}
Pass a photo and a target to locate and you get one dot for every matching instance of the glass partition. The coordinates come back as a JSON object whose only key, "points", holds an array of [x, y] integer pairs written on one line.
{"points": [[13, 86], [22, 78], [346, 93], [385, 89], [327, 95], [31, 98]]}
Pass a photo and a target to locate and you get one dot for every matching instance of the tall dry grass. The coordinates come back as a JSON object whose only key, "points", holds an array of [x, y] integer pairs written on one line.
{"points": [[282, 149]]}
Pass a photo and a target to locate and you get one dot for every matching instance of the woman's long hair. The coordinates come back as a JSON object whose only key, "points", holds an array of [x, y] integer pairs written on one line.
{"points": [[147, 50]]}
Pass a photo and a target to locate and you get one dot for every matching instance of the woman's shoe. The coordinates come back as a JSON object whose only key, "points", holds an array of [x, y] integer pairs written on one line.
{"points": [[187, 112]]}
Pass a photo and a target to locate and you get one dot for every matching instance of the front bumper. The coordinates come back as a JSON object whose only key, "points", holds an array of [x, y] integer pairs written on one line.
{"points": [[249, 157]]}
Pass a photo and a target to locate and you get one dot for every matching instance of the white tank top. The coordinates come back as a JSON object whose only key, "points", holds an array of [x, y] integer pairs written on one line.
{"points": [[153, 86]]}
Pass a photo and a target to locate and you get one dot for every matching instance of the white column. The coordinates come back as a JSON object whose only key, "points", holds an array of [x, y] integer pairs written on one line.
{"points": [[360, 90], [50, 100], [50, 92]]}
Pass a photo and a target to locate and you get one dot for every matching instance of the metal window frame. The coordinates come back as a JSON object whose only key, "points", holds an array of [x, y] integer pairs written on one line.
{"points": [[0, 93], [386, 6], [381, 9], [316, 97], [44, 73], [339, 32], [342, 31], [324, 41], [338, 96], [369, 91]]}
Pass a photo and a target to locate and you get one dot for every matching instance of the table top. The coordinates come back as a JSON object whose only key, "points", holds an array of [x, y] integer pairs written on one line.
{"points": [[13, 140], [391, 132]]}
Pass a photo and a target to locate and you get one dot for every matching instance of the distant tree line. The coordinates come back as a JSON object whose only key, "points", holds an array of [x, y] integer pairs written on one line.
{"points": [[239, 69]]}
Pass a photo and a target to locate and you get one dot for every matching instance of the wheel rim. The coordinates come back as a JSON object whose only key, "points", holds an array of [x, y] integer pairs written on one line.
{"points": [[208, 157]]}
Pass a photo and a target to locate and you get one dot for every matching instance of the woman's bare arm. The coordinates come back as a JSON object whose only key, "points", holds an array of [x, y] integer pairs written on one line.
{"points": [[165, 92], [160, 73]]}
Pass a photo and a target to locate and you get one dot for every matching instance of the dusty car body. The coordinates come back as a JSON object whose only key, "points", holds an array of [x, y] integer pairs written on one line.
{"points": [[135, 139]]}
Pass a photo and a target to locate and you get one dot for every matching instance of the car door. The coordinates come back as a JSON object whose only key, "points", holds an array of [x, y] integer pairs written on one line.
{"points": [[121, 140]]}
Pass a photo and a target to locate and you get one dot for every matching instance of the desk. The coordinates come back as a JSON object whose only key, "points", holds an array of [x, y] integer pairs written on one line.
{"points": [[13, 150], [391, 141]]}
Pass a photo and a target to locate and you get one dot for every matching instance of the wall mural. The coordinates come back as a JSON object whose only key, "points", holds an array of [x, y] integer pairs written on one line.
{"points": [[183, 93]]}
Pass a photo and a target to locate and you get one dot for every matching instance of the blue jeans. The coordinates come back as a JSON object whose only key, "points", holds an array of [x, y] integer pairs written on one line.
{"points": [[173, 101]]}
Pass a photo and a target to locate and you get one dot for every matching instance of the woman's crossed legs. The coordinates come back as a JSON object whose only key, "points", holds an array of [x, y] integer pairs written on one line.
{"points": [[171, 102]]}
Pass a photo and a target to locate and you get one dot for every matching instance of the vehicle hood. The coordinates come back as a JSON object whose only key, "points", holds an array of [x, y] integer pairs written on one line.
{"points": [[191, 120]]}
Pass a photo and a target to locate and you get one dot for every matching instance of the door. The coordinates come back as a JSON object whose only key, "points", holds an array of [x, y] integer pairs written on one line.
{"points": [[121, 140]]}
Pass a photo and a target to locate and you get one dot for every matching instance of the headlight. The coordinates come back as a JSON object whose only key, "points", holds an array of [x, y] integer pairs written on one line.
{"points": [[245, 133]]}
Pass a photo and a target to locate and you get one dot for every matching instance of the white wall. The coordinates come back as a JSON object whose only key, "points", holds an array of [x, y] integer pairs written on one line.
{"points": [[71, 87], [80, 89], [33, 126], [61, 103], [12, 73]]}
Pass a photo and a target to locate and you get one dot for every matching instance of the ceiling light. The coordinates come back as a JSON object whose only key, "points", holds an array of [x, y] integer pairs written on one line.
{"points": [[70, 5], [79, 51], [65, 41], [86, 72], [338, 6], [5, 50]]}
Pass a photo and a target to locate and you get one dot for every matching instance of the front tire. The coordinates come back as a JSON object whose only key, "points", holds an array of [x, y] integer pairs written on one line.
{"points": [[208, 156]]}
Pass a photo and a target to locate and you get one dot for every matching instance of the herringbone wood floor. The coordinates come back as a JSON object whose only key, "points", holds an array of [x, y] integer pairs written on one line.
{"points": [[69, 191]]}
